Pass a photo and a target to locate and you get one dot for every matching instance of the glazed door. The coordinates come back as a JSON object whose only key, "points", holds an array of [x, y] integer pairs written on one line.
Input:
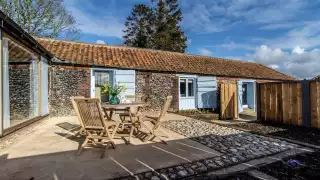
{"points": [[187, 93]]}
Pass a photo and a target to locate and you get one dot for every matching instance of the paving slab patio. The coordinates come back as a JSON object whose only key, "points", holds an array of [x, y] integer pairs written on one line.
{"points": [[194, 148], [49, 153]]}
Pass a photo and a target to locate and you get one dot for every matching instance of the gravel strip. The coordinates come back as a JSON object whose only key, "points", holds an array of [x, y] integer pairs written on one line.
{"points": [[306, 135], [10, 139], [241, 145]]}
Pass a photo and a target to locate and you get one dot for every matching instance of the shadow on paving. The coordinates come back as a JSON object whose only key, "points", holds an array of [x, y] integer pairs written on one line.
{"points": [[180, 158]]}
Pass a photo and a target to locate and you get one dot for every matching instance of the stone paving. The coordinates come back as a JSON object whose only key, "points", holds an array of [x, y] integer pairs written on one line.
{"points": [[234, 145], [195, 148]]}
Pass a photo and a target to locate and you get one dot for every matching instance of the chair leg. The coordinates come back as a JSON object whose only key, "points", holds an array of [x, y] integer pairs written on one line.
{"points": [[123, 119], [131, 133], [113, 145], [104, 150], [114, 131], [82, 146], [152, 136], [163, 141]]}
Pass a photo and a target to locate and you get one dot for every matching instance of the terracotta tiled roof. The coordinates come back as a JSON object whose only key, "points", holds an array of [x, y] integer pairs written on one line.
{"points": [[316, 78], [146, 59]]}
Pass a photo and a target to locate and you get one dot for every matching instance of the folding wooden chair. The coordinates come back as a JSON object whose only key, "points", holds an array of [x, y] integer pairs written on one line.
{"points": [[81, 131], [157, 121], [98, 132]]}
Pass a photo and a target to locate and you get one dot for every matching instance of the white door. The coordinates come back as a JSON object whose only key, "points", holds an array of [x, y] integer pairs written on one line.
{"points": [[187, 93], [240, 94]]}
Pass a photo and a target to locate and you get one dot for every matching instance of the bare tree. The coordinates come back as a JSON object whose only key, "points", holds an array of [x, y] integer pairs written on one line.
{"points": [[47, 18]]}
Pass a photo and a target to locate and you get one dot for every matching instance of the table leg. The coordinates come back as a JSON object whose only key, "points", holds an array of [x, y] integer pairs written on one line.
{"points": [[108, 114]]}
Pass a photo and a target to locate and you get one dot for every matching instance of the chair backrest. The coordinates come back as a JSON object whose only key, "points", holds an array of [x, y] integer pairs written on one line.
{"points": [[90, 113], [75, 107], [165, 107]]}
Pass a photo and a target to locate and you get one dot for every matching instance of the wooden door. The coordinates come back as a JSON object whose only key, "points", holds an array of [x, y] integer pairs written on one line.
{"points": [[228, 101]]}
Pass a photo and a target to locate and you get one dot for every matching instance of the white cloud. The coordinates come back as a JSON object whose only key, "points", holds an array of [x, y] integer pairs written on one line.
{"points": [[108, 25], [220, 15], [232, 45], [298, 62], [298, 50], [201, 19], [273, 66], [100, 41], [307, 36], [205, 52], [278, 26], [273, 11], [268, 56]]}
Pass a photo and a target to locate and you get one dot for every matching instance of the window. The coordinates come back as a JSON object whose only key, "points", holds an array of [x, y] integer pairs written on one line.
{"points": [[101, 78], [190, 87], [183, 89], [187, 87]]}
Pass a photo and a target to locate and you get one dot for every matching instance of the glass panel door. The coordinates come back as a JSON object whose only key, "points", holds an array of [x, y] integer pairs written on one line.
{"points": [[244, 94], [22, 83], [187, 93], [183, 88], [101, 78], [190, 87]]}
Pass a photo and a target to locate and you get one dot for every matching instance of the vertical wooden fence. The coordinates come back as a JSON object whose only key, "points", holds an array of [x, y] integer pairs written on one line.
{"points": [[315, 103], [229, 101], [295, 102]]}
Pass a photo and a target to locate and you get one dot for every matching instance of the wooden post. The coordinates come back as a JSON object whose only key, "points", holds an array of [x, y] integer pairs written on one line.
{"points": [[1, 84], [258, 100], [306, 112]]}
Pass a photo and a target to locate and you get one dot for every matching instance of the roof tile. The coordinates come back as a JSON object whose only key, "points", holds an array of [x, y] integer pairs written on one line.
{"points": [[146, 59]]}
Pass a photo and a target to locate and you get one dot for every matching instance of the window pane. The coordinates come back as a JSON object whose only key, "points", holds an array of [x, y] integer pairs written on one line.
{"points": [[22, 85], [101, 78], [190, 87], [183, 88]]}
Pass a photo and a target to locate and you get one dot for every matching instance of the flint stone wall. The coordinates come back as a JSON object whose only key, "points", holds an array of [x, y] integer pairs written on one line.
{"points": [[154, 87], [21, 91], [65, 82]]}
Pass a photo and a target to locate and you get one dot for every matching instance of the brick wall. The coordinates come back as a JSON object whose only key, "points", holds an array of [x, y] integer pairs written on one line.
{"points": [[154, 87], [64, 82]]}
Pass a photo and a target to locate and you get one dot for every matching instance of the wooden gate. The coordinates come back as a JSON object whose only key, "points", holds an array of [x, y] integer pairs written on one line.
{"points": [[228, 101]]}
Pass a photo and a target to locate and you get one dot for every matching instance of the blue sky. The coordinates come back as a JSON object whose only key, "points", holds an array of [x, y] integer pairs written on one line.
{"points": [[281, 34]]}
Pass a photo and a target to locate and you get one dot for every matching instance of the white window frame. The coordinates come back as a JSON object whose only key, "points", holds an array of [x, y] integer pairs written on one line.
{"points": [[187, 89], [93, 82]]}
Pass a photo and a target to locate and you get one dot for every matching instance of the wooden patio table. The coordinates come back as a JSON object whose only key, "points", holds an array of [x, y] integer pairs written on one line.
{"points": [[110, 109]]}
